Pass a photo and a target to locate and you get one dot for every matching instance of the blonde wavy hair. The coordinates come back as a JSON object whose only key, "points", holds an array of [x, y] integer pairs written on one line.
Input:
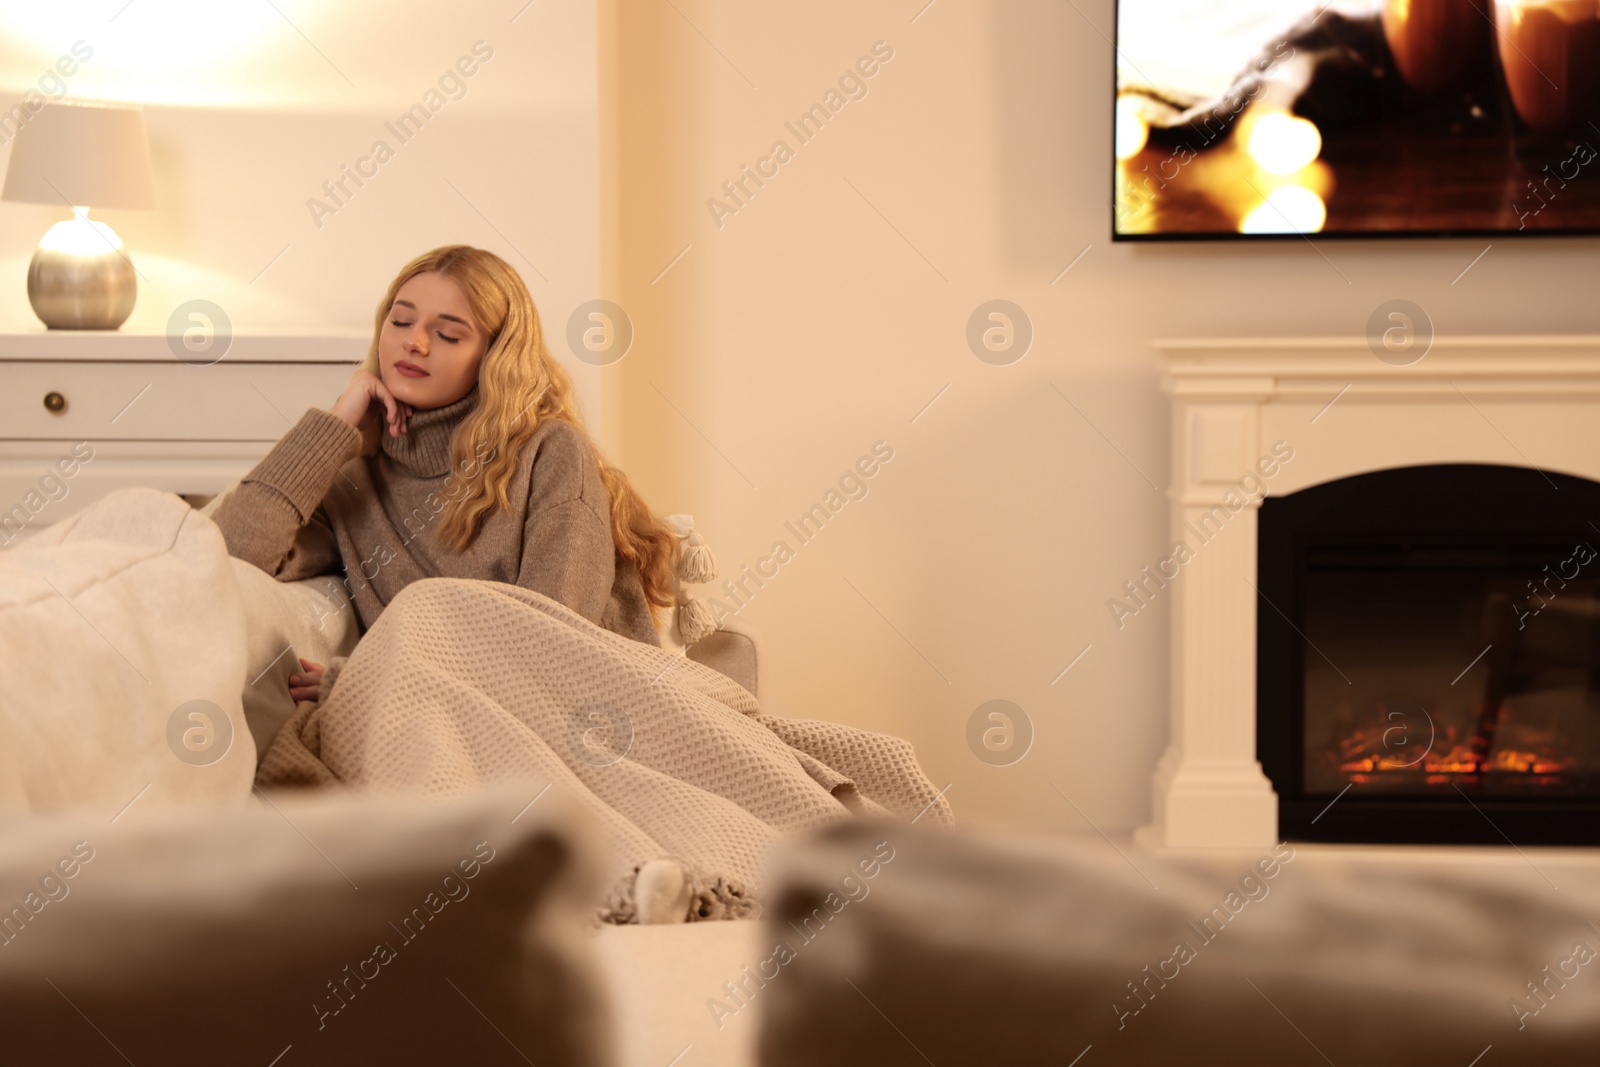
{"points": [[520, 386]]}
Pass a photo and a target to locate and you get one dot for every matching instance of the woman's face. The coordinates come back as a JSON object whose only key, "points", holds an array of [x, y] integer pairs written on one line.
{"points": [[430, 346]]}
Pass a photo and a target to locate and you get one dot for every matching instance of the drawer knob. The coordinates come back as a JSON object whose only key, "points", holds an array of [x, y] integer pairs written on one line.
{"points": [[55, 402]]}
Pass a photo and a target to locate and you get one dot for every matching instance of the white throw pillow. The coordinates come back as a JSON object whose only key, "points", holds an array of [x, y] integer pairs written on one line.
{"points": [[314, 618]]}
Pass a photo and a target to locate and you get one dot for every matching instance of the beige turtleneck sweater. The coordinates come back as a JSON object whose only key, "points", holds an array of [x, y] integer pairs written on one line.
{"points": [[315, 506]]}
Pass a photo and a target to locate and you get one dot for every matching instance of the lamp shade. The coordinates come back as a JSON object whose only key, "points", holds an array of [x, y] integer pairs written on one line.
{"points": [[83, 154]]}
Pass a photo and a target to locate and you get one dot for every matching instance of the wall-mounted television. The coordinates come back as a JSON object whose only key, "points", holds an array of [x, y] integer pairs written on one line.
{"points": [[1356, 118]]}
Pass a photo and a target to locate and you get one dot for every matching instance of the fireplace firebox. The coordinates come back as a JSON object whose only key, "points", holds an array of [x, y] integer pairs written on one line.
{"points": [[1428, 657]]}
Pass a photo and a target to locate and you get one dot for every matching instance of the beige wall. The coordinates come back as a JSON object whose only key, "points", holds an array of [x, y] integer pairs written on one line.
{"points": [[805, 328]]}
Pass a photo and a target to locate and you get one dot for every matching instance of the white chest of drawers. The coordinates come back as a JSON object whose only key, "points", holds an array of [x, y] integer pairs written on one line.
{"points": [[85, 412]]}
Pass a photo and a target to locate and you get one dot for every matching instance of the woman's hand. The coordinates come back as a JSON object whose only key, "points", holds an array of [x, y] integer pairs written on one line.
{"points": [[363, 395], [304, 686]]}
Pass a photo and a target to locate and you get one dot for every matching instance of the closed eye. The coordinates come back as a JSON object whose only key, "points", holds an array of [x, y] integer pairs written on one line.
{"points": [[442, 336]]}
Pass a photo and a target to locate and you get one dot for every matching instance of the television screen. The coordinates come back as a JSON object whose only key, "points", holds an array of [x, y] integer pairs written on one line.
{"points": [[1356, 118]]}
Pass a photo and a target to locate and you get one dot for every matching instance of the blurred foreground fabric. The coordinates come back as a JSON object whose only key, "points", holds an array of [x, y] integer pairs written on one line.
{"points": [[894, 944], [322, 930]]}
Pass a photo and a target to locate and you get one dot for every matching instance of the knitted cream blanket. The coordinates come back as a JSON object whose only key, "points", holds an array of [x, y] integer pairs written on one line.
{"points": [[462, 683]]}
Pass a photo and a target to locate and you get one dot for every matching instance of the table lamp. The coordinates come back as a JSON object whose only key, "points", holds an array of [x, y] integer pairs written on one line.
{"points": [[83, 155]]}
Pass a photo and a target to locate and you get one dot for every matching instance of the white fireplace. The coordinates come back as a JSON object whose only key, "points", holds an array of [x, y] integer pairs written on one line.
{"points": [[1336, 410]]}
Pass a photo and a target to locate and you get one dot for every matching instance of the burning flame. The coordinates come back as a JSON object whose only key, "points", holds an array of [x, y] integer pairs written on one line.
{"points": [[1366, 755]]}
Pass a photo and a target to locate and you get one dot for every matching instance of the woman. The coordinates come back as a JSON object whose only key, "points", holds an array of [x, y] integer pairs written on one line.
{"points": [[455, 451]]}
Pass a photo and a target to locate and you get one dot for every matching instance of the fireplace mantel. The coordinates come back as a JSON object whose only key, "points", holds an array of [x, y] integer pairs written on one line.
{"points": [[1519, 401], [1268, 367]]}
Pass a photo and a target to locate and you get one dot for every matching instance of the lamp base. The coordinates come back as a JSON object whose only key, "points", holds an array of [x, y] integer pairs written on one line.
{"points": [[80, 278]]}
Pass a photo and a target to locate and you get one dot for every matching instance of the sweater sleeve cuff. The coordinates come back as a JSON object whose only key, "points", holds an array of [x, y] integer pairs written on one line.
{"points": [[304, 463]]}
